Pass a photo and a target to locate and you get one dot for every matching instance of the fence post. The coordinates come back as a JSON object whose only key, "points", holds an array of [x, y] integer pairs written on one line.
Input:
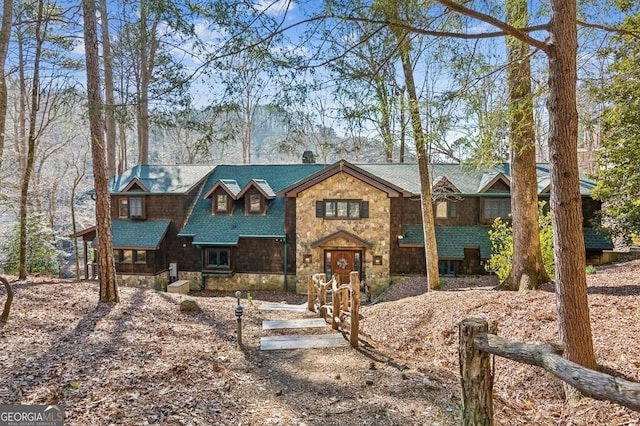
{"points": [[335, 308], [311, 296], [475, 375], [355, 309], [323, 295]]}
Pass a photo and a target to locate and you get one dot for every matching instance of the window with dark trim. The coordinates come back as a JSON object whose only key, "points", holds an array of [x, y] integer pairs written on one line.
{"points": [[342, 209], [139, 256], [496, 207], [217, 258], [123, 208], [136, 207], [131, 208]]}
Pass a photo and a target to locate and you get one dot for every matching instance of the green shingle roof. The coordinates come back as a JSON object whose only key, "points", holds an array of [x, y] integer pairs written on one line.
{"points": [[467, 180], [595, 240], [207, 229], [451, 240], [138, 234], [164, 179]]}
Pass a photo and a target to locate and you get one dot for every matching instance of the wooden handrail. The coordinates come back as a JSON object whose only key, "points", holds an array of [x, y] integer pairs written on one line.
{"points": [[476, 343], [345, 302]]}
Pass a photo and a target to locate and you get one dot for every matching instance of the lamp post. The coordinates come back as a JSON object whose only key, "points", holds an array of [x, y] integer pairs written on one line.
{"points": [[239, 311]]}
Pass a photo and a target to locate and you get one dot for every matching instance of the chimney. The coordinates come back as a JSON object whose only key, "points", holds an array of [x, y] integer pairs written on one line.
{"points": [[308, 157]]}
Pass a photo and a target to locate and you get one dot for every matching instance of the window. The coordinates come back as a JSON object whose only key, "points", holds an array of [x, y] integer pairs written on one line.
{"points": [[447, 267], [127, 256], [222, 203], [123, 210], [342, 209], [217, 258], [135, 207], [118, 255], [131, 208], [496, 207], [255, 203], [446, 209], [140, 256]]}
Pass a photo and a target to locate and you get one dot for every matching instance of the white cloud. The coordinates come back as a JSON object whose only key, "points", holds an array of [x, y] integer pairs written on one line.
{"points": [[274, 7]]}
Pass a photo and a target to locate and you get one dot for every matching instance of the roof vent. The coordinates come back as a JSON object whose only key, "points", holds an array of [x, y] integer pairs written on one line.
{"points": [[308, 157]]}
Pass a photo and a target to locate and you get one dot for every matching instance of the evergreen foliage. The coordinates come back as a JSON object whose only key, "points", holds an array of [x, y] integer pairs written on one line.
{"points": [[501, 236], [42, 256], [619, 176]]}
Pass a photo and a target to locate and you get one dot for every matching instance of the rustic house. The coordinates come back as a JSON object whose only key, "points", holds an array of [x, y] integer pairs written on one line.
{"points": [[248, 227]]}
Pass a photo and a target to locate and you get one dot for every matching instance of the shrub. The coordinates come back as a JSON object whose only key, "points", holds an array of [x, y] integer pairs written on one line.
{"points": [[590, 269], [501, 236]]}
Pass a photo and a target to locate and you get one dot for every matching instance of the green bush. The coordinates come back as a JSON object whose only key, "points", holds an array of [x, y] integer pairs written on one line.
{"points": [[590, 269], [42, 256], [501, 236]]}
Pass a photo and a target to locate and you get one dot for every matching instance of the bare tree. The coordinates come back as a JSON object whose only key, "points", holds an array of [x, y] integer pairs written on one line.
{"points": [[5, 35]]}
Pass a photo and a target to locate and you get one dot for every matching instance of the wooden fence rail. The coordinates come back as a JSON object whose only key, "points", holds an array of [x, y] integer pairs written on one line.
{"points": [[345, 303], [477, 382]]}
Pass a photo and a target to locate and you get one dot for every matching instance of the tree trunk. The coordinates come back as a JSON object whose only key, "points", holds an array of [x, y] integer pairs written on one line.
{"points": [[7, 303], [31, 143], [106, 266], [527, 269], [574, 326], [110, 119], [5, 35], [428, 222]]}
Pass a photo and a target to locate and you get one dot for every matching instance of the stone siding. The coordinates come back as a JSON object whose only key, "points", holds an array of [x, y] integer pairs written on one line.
{"points": [[375, 229], [154, 282], [249, 282]]}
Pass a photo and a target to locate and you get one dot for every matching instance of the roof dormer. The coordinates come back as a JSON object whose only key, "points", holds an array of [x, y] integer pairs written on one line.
{"points": [[256, 194], [223, 194]]}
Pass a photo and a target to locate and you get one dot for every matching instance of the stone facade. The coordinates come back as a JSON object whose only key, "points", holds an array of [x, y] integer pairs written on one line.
{"points": [[374, 230], [154, 282], [248, 282]]}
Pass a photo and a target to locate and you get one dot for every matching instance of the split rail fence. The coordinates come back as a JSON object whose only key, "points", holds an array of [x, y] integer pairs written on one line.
{"points": [[476, 345], [338, 304]]}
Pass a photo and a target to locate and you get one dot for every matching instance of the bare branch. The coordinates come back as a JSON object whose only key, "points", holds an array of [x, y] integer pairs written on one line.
{"points": [[609, 29], [519, 33]]}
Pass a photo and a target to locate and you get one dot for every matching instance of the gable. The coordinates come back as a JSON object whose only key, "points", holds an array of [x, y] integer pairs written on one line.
{"points": [[334, 239], [344, 167], [230, 186], [135, 186], [494, 183]]}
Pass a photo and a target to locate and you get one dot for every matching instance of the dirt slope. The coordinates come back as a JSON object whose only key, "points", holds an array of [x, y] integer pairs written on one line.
{"points": [[144, 362]]}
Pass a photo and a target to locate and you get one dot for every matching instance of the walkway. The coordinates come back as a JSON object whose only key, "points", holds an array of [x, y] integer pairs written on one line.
{"points": [[302, 330]]}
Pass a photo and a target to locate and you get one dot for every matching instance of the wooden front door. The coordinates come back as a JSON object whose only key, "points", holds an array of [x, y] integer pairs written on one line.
{"points": [[342, 263]]}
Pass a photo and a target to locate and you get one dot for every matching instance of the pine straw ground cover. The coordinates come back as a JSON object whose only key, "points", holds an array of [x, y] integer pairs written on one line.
{"points": [[142, 361]]}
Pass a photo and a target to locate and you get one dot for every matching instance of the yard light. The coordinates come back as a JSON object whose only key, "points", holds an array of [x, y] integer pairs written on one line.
{"points": [[239, 311]]}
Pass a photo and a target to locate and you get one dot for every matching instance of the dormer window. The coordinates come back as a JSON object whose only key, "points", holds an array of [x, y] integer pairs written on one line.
{"points": [[222, 203], [255, 203], [131, 208]]}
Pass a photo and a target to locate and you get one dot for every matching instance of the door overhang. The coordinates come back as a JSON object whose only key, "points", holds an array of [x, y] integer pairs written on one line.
{"points": [[333, 240]]}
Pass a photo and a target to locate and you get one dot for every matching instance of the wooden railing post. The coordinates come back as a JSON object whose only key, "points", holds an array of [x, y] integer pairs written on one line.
{"points": [[354, 279], [335, 306], [475, 375], [323, 295], [311, 294]]}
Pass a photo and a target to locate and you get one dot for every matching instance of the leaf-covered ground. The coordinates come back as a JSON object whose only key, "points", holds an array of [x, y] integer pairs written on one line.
{"points": [[142, 361]]}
